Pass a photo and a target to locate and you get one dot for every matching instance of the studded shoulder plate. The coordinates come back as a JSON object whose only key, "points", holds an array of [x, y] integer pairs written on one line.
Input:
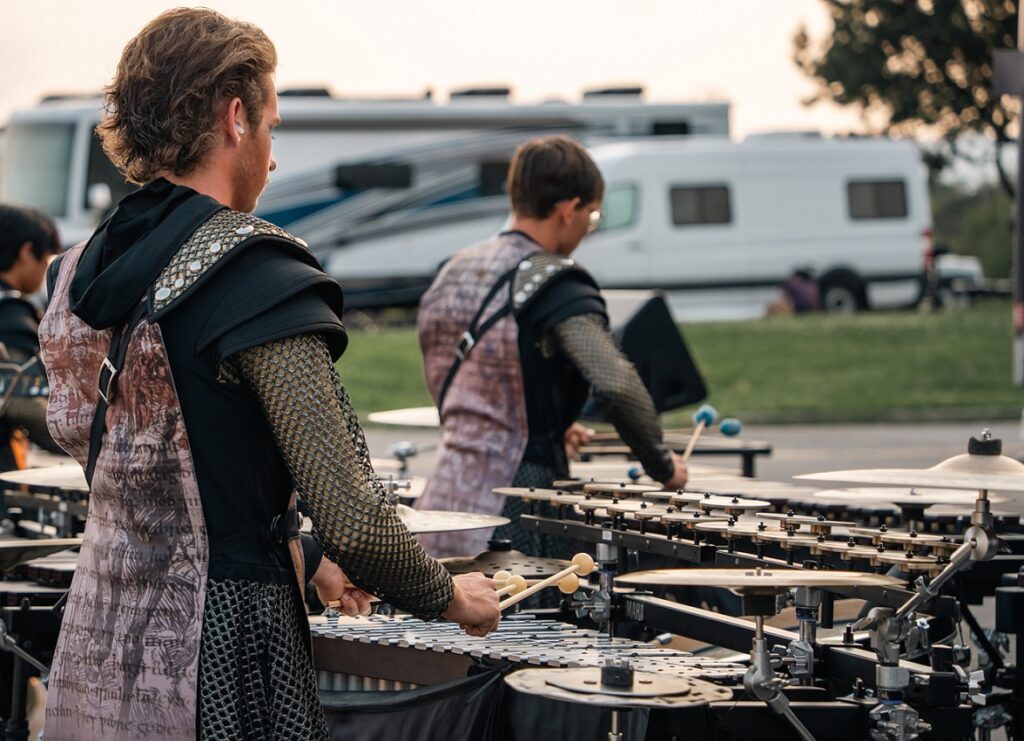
{"points": [[208, 245], [534, 272]]}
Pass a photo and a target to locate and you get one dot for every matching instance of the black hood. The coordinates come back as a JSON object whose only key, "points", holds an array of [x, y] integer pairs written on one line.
{"points": [[129, 250]]}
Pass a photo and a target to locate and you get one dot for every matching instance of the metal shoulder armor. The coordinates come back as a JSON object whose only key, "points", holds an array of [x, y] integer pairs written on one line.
{"points": [[208, 249], [537, 272]]}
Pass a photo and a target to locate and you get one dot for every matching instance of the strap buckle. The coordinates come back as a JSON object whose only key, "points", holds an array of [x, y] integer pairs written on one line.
{"points": [[284, 527], [465, 344], [107, 389]]}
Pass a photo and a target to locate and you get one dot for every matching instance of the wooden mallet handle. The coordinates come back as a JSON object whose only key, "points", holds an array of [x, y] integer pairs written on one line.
{"points": [[582, 564], [703, 417]]}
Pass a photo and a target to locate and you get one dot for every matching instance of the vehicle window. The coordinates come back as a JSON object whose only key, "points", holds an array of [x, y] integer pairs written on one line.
{"points": [[102, 170], [38, 166], [492, 178], [619, 208], [877, 199], [702, 204]]}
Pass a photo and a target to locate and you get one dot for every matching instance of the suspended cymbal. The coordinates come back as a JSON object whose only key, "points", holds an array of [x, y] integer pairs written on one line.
{"points": [[812, 523], [49, 480], [620, 489], [847, 551], [901, 495], [992, 472], [554, 496], [733, 505], [514, 562], [440, 521], [786, 539], [19, 550], [726, 528], [906, 538], [907, 562], [692, 517], [754, 580], [410, 417]]}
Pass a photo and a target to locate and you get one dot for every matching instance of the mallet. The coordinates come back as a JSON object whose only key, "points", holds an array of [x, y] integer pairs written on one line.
{"points": [[566, 579], [730, 427], [703, 417]]}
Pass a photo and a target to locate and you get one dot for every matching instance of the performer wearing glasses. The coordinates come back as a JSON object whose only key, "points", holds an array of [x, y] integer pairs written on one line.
{"points": [[514, 336]]}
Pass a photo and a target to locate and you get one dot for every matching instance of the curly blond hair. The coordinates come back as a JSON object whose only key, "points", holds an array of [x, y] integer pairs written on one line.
{"points": [[172, 81]]}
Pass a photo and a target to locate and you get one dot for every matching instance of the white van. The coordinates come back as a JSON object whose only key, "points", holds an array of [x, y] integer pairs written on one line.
{"points": [[720, 225]]}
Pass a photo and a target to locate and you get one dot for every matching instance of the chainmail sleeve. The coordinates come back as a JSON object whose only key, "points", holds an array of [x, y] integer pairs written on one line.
{"points": [[29, 412], [323, 445], [586, 342]]}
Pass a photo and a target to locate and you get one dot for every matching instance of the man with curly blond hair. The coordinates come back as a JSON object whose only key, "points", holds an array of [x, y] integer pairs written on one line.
{"points": [[213, 336]]}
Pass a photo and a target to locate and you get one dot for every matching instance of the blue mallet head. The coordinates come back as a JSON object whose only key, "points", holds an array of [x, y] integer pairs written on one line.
{"points": [[634, 473], [730, 426], [705, 414]]}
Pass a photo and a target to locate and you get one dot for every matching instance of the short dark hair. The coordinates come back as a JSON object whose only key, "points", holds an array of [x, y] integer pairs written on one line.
{"points": [[170, 84], [20, 224], [546, 171]]}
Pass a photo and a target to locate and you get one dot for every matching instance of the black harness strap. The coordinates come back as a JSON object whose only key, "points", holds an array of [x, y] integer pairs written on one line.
{"points": [[107, 382], [476, 330]]}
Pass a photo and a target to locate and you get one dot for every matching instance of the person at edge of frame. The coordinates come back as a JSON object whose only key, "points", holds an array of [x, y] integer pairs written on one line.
{"points": [[514, 336], [28, 241], [190, 350]]}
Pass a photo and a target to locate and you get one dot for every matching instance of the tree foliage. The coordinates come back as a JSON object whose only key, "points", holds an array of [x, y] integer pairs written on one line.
{"points": [[910, 64]]}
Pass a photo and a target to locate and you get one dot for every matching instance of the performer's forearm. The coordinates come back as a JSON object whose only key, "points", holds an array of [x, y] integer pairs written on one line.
{"points": [[588, 345], [322, 443]]}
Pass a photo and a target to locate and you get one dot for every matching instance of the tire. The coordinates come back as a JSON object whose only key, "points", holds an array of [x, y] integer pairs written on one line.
{"points": [[842, 296]]}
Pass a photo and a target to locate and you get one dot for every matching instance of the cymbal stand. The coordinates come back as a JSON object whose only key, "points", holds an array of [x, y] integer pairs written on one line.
{"points": [[760, 681], [599, 604], [16, 727], [800, 653], [392, 486], [894, 720]]}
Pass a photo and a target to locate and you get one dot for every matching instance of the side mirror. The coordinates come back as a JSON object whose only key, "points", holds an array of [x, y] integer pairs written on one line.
{"points": [[99, 197]]}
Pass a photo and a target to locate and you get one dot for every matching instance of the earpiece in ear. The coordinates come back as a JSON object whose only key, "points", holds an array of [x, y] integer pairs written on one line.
{"points": [[238, 128]]}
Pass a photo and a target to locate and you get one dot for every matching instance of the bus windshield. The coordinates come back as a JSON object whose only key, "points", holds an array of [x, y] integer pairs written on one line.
{"points": [[37, 166]]}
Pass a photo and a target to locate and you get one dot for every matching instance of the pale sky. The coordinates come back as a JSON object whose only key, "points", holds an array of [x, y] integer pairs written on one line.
{"points": [[679, 50]]}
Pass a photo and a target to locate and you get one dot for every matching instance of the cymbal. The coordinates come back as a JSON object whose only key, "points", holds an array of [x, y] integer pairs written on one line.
{"points": [[409, 417], [814, 524], [885, 534], [440, 521], [554, 496], [515, 562], [845, 550], [992, 472], [908, 561], [901, 495], [773, 490], [733, 505], [785, 539], [726, 528], [19, 550], [564, 685], [754, 580], [384, 466], [620, 489], [49, 480], [693, 517]]}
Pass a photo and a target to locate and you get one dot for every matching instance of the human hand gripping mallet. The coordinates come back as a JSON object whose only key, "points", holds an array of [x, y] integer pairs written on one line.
{"points": [[566, 579]]}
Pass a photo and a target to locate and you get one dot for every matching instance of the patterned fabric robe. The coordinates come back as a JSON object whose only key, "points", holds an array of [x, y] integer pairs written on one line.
{"points": [[126, 664], [484, 425]]}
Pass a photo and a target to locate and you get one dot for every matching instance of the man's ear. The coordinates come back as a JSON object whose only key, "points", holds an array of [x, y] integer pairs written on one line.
{"points": [[25, 252], [234, 112], [566, 210]]}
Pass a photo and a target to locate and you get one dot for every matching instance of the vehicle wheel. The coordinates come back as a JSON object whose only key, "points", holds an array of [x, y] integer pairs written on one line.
{"points": [[841, 297]]}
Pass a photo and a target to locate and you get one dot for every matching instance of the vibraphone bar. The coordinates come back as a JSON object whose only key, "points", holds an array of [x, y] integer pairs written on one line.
{"points": [[391, 653]]}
